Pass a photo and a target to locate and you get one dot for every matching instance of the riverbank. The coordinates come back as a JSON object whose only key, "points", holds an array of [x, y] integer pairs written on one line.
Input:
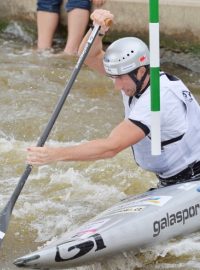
{"points": [[179, 20], [18, 19]]}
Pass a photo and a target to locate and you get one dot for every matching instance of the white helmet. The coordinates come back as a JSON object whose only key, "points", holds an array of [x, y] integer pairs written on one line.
{"points": [[125, 55]]}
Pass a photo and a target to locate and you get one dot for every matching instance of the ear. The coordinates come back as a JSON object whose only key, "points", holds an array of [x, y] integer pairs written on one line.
{"points": [[141, 72]]}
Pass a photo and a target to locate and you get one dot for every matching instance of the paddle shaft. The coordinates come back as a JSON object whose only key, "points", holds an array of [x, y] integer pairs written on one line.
{"points": [[7, 211]]}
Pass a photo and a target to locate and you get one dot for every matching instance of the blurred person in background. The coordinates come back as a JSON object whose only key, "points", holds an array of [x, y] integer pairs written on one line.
{"points": [[48, 14]]}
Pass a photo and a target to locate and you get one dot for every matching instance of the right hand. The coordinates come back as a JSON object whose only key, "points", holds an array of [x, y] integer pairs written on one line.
{"points": [[100, 16]]}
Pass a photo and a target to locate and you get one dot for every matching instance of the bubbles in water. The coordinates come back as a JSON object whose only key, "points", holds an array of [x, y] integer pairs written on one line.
{"points": [[16, 30]]}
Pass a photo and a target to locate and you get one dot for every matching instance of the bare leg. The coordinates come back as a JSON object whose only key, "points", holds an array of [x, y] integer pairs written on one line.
{"points": [[77, 23], [46, 23]]}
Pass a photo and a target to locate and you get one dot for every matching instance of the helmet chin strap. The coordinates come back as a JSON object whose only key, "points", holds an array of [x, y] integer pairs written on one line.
{"points": [[138, 83]]}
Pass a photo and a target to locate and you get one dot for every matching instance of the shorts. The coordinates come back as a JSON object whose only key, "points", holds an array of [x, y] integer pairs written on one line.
{"points": [[72, 4], [54, 5], [191, 173], [49, 5]]}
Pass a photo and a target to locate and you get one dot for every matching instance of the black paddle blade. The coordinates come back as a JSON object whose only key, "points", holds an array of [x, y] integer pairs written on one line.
{"points": [[4, 220], [7, 211], [2, 234]]}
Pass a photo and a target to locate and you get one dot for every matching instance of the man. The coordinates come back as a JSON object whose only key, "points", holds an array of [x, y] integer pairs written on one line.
{"points": [[126, 61]]}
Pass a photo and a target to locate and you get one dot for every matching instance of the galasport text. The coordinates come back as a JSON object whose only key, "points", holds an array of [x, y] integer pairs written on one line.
{"points": [[171, 219]]}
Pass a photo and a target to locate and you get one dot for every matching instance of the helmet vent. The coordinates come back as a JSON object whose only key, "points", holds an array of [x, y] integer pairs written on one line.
{"points": [[124, 57]]}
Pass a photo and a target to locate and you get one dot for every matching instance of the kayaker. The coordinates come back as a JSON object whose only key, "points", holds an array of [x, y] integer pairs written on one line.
{"points": [[126, 62]]}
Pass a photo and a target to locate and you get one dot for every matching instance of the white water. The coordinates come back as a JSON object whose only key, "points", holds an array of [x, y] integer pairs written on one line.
{"points": [[60, 197]]}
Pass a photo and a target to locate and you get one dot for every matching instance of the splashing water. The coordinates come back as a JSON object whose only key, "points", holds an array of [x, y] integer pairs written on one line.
{"points": [[60, 197]]}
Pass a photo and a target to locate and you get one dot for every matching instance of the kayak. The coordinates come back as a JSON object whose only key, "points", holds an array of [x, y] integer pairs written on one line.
{"points": [[135, 222]]}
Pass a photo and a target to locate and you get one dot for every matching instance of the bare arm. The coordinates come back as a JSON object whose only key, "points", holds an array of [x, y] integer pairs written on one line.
{"points": [[95, 57], [94, 60], [121, 137]]}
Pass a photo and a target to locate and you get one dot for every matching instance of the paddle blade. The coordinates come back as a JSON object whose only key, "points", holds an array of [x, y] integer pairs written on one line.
{"points": [[4, 221], [7, 211]]}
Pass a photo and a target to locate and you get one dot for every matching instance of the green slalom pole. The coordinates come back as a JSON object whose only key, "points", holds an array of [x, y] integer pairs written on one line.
{"points": [[154, 45]]}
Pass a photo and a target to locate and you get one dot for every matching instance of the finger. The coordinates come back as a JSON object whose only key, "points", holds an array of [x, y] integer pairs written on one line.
{"points": [[34, 155], [35, 149], [35, 160], [103, 18]]}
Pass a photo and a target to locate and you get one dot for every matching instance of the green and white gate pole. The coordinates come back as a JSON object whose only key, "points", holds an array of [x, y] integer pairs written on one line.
{"points": [[154, 45]]}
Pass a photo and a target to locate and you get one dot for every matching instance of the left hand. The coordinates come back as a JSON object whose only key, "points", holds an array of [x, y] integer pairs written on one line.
{"points": [[100, 17], [42, 155]]}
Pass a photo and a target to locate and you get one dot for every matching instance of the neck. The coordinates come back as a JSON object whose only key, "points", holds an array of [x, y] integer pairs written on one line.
{"points": [[145, 85]]}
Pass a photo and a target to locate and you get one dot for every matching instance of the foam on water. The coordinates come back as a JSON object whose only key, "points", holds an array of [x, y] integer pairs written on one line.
{"points": [[59, 197], [17, 31], [63, 205], [176, 254]]}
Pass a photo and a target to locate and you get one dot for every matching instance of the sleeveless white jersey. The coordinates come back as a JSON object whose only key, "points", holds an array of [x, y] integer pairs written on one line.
{"points": [[180, 114]]}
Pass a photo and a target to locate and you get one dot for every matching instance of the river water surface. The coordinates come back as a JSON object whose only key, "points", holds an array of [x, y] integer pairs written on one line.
{"points": [[60, 197]]}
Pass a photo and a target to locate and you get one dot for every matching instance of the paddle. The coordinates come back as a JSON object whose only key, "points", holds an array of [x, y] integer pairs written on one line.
{"points": [[7, 211]]}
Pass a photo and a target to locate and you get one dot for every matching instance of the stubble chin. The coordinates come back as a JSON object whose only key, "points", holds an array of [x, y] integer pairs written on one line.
{"points": [[129, 92]]}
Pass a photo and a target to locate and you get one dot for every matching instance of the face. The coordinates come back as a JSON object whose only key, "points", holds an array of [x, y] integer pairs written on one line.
{"points": [[125, 83]]}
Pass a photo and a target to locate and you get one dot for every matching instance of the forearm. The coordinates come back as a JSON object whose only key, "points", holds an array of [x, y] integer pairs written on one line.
{"points": [[95, 56], [96, 51], [121, 137], [93, 150]]}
